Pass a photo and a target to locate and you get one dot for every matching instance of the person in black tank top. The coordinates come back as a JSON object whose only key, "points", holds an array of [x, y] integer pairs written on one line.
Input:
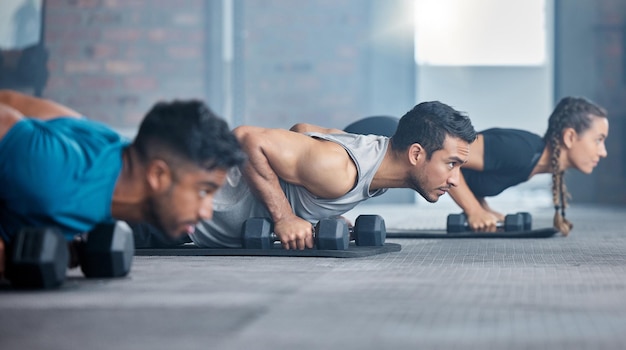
{"points": [[501, 158]]}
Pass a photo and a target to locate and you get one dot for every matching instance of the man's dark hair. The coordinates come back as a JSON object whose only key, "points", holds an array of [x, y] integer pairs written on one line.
{"points": [[428, 123], [187, 131]]}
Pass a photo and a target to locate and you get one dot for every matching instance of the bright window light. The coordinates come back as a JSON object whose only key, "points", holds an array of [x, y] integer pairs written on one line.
{"points": [[480, 32], [20, 23]]}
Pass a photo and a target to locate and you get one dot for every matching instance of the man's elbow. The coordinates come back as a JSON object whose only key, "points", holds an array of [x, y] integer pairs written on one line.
{"points": [[247, 136], [241, 131], [7, 97], [300, 127]]}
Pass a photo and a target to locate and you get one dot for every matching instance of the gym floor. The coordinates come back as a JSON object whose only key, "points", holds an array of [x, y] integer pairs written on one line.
{"points": [[551, 293]]}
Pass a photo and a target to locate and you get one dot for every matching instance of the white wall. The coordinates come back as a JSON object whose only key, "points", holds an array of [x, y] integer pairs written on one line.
{"points": [[510, 95], [502, 96]]}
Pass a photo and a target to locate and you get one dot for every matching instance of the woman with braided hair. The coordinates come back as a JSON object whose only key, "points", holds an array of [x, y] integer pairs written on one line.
{"points": [[502, 158]]}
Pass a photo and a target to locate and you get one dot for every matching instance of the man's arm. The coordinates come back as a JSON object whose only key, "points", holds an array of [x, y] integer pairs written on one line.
{"points": [[322, 167], [35, 107], [304, 127]]}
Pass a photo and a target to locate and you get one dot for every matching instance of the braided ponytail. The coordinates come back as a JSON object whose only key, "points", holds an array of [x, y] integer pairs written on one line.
{"points": [[560, 222], [558, 186], [575, 113]]}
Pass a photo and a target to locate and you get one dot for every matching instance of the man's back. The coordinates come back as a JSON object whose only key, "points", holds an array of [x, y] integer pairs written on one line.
{"points": [[59, 172]]}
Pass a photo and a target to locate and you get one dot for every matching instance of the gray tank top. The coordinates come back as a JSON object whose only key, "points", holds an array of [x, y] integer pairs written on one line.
{"points": [[234, 202]]}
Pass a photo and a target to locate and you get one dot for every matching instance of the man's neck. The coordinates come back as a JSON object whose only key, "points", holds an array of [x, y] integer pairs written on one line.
{"points": [[129, 195], [391, 173]]}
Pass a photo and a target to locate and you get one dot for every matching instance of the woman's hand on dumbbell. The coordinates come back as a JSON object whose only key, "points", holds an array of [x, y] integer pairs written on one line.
{"points": [[483, 221], [294, 232]]}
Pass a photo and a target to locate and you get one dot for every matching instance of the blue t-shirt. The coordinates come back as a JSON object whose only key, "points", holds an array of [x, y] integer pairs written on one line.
{"points": [[60, 172]]}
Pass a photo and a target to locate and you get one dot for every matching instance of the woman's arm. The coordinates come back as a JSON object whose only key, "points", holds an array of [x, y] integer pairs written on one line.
{"points": [[479, 216]]}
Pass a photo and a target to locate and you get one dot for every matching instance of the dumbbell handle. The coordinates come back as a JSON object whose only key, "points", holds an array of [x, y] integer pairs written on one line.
{"points": [[74, 247]]}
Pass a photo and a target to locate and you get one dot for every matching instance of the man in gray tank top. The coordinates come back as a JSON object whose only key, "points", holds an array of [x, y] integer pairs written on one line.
{"points": [[297, 177]]}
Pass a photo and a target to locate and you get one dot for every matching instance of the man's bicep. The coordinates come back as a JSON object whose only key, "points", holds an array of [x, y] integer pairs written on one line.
{"points": [[322, 167]]}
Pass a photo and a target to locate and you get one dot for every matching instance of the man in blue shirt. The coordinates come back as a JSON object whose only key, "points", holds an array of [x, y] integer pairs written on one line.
{"points": [[60, 169]]}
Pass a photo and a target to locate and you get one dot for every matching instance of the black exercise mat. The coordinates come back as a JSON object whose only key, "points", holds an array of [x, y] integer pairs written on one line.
{"points": [[353, 251], [538, 233]]}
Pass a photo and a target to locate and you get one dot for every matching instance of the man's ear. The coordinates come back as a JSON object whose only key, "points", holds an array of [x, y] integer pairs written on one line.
{"points": [[569, 136], [159, 175], [416, 154]]}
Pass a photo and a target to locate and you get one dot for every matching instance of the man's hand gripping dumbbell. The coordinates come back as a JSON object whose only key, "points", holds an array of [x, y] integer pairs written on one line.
{"points": [[329, 234]]}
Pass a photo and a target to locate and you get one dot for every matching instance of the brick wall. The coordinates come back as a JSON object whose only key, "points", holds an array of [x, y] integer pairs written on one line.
{"points": [[303, 61], [112, 59], [317, 60]]}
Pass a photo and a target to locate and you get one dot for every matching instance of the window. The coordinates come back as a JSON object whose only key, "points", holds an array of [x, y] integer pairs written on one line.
{"points": [[20, 23], [480, 32]]}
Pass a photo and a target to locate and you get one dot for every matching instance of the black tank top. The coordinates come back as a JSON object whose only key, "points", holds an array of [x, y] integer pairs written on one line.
{"points": [[509, 157]]}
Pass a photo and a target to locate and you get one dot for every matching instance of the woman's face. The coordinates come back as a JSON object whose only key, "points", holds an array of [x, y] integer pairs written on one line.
{"points": [[584, 150]]}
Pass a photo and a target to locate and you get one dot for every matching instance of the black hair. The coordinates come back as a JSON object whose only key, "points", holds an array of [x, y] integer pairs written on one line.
{"points": [[187, 131], [428, 124]]}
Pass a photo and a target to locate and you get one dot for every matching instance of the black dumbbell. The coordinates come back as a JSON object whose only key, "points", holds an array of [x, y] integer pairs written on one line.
{"points": [[106, 251], [368, 230], [528, 220], [512, 222], [330, 234], [37, 258]]}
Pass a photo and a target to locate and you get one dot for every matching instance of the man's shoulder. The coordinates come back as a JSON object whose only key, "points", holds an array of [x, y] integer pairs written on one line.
{"points": [[349, 138]]}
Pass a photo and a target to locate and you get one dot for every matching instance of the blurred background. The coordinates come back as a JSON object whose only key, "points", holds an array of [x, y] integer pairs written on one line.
{"points": [[330, 62]]}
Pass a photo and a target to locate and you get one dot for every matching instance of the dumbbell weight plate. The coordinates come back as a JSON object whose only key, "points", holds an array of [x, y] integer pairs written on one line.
{"points": [[456, 223], [528, 220], [369, 230], [257, 233], [332, 234], [109, 251], [37, 258], [513, 222]]}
